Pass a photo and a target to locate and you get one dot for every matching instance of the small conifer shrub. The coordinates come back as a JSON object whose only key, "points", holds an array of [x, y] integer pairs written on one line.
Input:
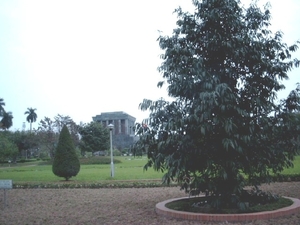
{"points": [[66, 163]]}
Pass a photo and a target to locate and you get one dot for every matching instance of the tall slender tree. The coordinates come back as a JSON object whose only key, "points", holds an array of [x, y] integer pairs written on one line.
{"points": [[32, 116]]}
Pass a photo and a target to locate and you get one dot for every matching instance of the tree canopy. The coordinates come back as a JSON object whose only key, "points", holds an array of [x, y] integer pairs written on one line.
{"points": [[223, 67], [94, 137], [49, 129], [31, 116], [7, 118], [8, 149]]}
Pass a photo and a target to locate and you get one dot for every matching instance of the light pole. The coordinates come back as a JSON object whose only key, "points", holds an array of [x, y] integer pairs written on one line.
{"points": [[112, 172]]}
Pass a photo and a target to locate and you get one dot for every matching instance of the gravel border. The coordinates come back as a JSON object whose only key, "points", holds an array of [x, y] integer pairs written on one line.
{"points": [[110, 206]]}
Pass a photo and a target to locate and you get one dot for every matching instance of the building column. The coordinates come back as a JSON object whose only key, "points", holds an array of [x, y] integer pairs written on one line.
{"points": [[115, 127], [127, 131]]}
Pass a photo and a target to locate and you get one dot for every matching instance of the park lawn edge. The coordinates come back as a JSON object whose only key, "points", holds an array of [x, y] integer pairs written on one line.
{"points": [[92, 185], [146, 183]]}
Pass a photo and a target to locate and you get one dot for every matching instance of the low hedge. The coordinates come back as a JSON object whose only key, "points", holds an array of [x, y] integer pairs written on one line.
{"points": [[97, 185], [97, 160], [286, 177], [122, 184]]}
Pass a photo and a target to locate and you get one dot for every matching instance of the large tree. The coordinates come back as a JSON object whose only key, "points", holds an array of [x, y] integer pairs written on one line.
{"points": [[60, 121], [26, 142], [94, 137], [48, 135], [31, 116], [66, 163], [49, 129], [223, 67]]}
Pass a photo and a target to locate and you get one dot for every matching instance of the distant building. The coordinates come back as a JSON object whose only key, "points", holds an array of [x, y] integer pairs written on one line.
{"points": [[123, 134]]}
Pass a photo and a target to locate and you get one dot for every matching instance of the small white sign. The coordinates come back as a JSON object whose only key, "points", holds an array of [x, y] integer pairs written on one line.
{"points": [[5, 184]]}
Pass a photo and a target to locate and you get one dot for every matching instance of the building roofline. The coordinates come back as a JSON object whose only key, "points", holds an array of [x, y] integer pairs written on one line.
{"points": [[120, 113]]}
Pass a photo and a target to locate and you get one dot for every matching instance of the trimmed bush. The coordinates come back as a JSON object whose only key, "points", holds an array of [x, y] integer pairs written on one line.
{"points": [[66, 163], [97, 160]]}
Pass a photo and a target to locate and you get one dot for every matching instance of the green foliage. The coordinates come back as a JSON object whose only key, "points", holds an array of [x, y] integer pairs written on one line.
{"points": [[257, 196], [61, 120], [94, 137], [49, 129], [25, 140], [223, 67], [281, 203], [97, 160], [31, 116], [23, 160], [8, 149], [125, 151], [6, 120], [48, 137], [117, 152], [66, 163]]}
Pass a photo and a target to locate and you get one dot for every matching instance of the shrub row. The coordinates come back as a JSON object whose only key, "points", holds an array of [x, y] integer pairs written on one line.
{"points": [[286, 177], [72, 185], [123, 184], [97, 160]]}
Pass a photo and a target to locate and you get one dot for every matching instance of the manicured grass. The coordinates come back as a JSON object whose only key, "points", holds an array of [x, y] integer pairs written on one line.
{"points": [[295, 169], [129, 169]]}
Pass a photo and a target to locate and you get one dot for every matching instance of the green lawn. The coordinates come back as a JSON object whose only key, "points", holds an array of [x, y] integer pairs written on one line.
{"points": [[128, 169], [295, 169]]}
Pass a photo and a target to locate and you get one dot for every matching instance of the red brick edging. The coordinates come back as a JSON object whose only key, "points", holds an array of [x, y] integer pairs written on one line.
{"points": [[161, 209]]}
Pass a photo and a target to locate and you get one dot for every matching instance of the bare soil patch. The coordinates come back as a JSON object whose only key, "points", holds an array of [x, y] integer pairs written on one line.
{"points": [[110, 206]]}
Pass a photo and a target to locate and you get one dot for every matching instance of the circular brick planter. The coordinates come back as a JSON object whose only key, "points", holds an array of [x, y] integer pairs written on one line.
{"points": [[161, 209]]}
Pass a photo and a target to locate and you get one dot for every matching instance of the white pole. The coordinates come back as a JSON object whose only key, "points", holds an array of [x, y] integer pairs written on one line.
{"points": [[112, 172]]}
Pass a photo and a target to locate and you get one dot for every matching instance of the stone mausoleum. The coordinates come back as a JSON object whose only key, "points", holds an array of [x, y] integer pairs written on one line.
{"points": [[122, 134]]}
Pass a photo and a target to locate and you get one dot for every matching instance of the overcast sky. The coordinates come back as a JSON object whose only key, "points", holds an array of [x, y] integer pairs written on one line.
{"points": [[80, 58]]}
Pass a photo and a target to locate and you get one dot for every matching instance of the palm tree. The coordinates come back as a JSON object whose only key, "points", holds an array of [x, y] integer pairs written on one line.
{"points": [[6, 121], [1, 106], [32, 116]]}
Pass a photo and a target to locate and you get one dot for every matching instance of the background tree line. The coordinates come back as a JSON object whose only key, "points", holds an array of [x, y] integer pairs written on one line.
{"points": [[42, 142]]}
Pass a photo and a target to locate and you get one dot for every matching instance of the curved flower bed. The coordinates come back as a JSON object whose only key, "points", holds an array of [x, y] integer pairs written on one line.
{"points": [[161, 209]]}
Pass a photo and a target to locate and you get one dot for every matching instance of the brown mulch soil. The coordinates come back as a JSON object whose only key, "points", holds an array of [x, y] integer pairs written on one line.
{"points": [[110, 206]]}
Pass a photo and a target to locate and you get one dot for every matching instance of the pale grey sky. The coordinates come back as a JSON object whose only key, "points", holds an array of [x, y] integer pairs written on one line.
{"points": [[80, 58]]}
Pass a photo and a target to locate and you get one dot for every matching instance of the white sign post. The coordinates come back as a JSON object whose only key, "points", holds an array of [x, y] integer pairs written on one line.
{"points": [[5, 184]]}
